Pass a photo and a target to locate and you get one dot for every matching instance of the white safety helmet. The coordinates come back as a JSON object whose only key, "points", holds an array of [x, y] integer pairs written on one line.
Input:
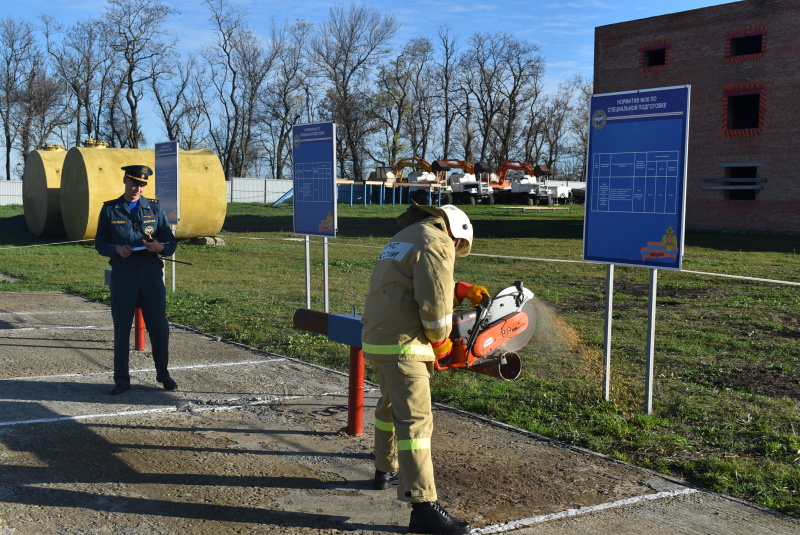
{"points": [[460, 228]]}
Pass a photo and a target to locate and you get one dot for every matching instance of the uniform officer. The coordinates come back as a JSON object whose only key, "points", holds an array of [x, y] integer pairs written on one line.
{"points": [[133, 231], [406, 322]]}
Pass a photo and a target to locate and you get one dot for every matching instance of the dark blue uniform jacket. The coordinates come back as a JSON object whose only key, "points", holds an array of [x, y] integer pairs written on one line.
{"points": [[114, 227]]}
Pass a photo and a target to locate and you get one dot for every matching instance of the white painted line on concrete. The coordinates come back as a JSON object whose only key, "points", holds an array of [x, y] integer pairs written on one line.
{"points": [[63, 328], [55, 312], [145, 370], [569, 513], [202, 408], [87, 416]]}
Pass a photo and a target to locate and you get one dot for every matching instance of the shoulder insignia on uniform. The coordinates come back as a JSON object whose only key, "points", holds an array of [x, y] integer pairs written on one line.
{"points": [[109, 203], [154, 200]]}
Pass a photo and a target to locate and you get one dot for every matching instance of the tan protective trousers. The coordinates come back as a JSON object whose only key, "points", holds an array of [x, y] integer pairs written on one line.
{"points": [[403, 428]]}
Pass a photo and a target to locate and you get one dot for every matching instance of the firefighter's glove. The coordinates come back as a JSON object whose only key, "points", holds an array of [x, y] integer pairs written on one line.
{"points": [[442, 348], [475, 293]]}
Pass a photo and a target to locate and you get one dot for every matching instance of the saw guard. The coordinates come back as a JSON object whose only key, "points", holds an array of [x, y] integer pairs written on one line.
{"points": [[498, 333]]}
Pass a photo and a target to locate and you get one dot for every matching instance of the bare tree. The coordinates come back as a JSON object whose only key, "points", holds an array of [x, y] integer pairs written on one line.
{"points": [[178, 103], [503, 73], [43, 108], [345, 47], [443, 77], [18, 51], [286, 94], [134, 29], [239, 64], [519, 87], [391, 106], [419, 128], [558, 110], [81, 60]]}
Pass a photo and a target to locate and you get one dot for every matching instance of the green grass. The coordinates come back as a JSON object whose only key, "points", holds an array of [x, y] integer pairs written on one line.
{"points": [[727, 351]]}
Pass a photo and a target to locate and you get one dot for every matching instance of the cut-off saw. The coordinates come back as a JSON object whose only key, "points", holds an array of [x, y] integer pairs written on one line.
{"points": [[486, 338]]}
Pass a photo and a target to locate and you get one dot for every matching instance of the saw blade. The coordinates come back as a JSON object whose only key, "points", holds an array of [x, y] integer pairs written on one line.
{"points": [[519, 341]]}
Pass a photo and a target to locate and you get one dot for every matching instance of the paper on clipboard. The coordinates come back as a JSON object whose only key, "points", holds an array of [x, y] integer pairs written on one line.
{"points": [[142, 247]]}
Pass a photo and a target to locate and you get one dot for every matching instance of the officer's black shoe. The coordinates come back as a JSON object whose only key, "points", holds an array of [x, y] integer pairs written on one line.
{"points": [[119, 389], [384, 480], [430, 517], [168, 382]]}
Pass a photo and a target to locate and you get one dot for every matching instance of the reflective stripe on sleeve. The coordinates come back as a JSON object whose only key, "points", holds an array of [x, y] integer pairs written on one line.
{"points": [[414, 444], [406, 349], [384, 426], [437, 324]]}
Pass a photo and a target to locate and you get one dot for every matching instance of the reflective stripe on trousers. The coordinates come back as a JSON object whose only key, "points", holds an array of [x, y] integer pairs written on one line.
{"points": [[403, 428]]}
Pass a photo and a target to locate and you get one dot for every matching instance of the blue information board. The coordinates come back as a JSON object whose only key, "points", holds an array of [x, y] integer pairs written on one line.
{"points": [[315, 179], [167, 182], [636, 178]]}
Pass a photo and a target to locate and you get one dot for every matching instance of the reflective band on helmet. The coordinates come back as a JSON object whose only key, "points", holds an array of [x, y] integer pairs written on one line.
{"points": [[409, 349], [414, 444], [384, 426]]}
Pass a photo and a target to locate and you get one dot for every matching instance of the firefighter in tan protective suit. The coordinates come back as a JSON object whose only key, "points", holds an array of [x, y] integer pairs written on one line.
{"points": [[406, 322]]}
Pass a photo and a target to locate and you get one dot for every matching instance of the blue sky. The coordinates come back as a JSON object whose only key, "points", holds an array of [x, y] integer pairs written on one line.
{"points": [[563, 30]]}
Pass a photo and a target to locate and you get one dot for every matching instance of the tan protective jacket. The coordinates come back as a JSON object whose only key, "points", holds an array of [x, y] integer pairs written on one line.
{"points": [[411, 295]]}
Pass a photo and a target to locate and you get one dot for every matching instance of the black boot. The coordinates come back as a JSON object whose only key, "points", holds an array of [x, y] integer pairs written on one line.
{"points": [[430, 517], [384, 480], [168, 382]]}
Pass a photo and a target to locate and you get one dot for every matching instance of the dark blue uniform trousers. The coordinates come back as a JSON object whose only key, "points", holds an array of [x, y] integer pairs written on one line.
{"points": [[141, 286]]}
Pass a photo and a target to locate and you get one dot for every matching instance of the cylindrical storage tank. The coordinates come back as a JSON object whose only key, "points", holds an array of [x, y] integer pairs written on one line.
{"points": [[203, 195], [41, 184], [92, 176]]}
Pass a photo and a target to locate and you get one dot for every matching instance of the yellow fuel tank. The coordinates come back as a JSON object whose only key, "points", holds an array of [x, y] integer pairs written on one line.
{"points": [[41, 185], [92, 176]]}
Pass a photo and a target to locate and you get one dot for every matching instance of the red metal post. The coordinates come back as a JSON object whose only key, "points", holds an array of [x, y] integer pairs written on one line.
{"points": [[139, 325], [355, 392]]}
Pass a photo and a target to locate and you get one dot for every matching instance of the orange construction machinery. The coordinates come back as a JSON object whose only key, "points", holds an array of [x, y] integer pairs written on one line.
{"points": [[466, 187], [519, 182]]}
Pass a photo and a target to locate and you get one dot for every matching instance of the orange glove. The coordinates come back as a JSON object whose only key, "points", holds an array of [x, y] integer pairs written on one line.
{"points": [[474, 292], [442, 348]]}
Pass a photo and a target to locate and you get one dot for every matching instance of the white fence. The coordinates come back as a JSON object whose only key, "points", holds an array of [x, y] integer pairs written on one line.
{"points": [[10, 192], [238, 190], [257, 189]]}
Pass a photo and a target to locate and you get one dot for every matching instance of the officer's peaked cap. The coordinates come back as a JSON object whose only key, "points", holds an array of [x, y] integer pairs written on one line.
{"points": [[140, 173]]}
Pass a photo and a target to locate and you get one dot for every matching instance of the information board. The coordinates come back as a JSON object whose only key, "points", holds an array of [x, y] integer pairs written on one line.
{"points": [[636, 178], [315, 179], [167, 182]]}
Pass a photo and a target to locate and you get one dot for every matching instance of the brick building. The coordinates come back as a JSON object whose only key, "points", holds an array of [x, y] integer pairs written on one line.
{"points": [[742, 60]]}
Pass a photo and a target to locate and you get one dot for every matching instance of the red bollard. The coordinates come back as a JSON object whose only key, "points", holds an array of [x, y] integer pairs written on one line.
{"points": [[139, 325], [355, 393]]}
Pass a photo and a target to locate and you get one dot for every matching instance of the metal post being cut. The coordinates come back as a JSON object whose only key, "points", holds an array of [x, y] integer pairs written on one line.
{"points": [[355, 393], [345, 329]]}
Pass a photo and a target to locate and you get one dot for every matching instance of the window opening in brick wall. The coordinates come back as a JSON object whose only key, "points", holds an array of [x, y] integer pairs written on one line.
{"points": [[744, 190], [655, 57], [744, 46], [744, 106], [743, 111]]}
